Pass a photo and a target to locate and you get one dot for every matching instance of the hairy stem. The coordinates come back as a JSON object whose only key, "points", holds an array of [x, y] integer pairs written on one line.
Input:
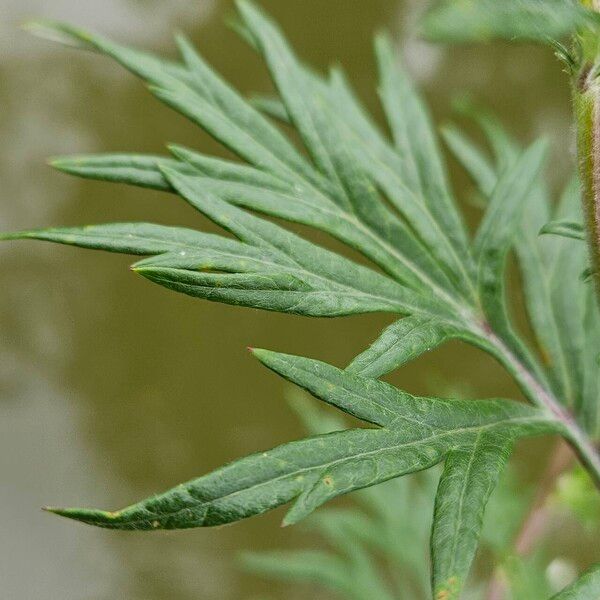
{"points": [[586, 105], [586, 101]]}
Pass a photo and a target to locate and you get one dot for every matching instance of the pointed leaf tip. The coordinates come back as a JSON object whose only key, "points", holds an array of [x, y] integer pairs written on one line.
{"points": [[261, 354], [59, 32], [174, 148], [53, 161], [37, 26], [55, 510], [84, 515], [286, 522], [184, 43], [68, 513], [249, 10], [66, 164], [170, 173], [142, 269]]}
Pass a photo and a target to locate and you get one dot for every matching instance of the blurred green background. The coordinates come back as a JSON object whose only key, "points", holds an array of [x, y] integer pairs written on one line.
{"points": [[112, 389]]}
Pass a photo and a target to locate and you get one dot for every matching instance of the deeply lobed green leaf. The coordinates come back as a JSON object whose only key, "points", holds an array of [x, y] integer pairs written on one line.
{"points": [[202, 95], [392, 203], [321, 568], [564, 317], [417, 433]]}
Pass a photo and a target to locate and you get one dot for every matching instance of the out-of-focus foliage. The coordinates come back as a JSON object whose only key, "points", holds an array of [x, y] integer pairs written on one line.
{"points": [[481, 20], [568, 229], [585, 588], [577, 494]]}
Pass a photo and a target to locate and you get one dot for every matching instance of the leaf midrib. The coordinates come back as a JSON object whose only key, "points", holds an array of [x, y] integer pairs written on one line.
{"points": [[301, 177], [333, 210], [421, 206], [342, 290], [352, 219], [458, 520], [435, 437]]}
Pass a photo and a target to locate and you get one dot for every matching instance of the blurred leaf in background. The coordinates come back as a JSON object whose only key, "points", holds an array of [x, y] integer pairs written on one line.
{"points": [[480, 20]]}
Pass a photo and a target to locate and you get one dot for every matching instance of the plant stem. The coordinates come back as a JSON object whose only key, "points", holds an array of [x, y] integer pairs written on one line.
{"points": [[537, 394], [586, 102], [586, 105]]}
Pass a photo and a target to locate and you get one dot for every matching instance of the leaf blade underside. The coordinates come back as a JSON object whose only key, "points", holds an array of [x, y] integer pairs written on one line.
{"points": [[400, 343], [418, 433], [469, 477]]}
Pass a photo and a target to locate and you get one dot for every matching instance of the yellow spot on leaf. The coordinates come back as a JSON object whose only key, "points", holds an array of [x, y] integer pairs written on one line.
{"points": [[450, 589]]}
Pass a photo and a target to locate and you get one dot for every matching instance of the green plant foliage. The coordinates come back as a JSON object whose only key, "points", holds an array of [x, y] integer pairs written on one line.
{"points": [[401, 342], [469, 477], [391, 202], [375, 548], [390, 521], [564, 319], [576, 493], [525, 577], [479, 20], [413, 434], [568, 229]]}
